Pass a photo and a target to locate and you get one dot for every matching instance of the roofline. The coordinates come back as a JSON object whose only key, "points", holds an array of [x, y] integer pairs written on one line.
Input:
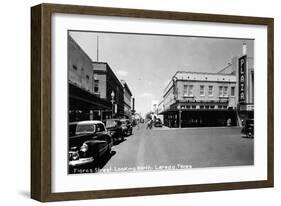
{"points": [[108, 67], [189, 72], [126, 85], [208, 73], [229, 65], [76, 43]]}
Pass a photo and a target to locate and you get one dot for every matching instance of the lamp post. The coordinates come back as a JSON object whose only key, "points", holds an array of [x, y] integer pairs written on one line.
{"points": [[112, 101], [179, 108]]}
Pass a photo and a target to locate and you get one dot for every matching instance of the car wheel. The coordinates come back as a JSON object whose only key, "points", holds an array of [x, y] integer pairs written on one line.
{"points": [[250, 135]]}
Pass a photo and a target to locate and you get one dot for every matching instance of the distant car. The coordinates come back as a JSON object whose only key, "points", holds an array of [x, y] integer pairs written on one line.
{"points": [[114, 128], [91, 141], [158, 123], [248, 128], [127, 127]]}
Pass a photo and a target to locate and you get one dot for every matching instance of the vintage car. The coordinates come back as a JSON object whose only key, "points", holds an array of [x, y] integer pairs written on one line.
{"points": [[158, 123], [91, 141], [127, 127], [248, 128], [114, 128]]}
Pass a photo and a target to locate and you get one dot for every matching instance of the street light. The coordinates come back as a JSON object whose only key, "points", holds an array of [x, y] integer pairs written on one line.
{"points": [[112, 101], [179, 108]]}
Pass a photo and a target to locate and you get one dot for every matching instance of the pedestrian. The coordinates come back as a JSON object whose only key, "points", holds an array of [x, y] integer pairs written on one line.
{"points": [[149, 124]]}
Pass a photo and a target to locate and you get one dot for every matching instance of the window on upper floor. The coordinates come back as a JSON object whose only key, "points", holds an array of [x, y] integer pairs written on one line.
{"points": [[220, 91], [225, 91], [210, 90], [185, 90], [188, 90], [202, 90], [232, 93], [96, 85]]}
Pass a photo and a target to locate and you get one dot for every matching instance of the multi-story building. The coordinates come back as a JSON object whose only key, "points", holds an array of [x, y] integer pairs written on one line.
{"points": [[82, 98], [127, 100], [80, 70], [199, 99], [94, 90], [108, 87], [211, 99]]}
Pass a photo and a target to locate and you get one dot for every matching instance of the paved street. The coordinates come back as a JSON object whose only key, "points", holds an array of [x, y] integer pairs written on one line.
{"points": [[165, 148]]}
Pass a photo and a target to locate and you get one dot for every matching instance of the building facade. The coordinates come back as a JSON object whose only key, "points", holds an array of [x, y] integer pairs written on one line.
{"points": [[108, 87], [95, 93], [82, 97], [199, 99], [127, 100], [80, 70], [225, 98]]}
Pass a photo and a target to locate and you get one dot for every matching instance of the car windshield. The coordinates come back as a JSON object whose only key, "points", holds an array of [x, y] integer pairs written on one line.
{"points": [[110, 123], [85, 128]]}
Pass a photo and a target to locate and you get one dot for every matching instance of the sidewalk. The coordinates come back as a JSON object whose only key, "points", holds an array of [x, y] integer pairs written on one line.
{"points": [[186, 128]]}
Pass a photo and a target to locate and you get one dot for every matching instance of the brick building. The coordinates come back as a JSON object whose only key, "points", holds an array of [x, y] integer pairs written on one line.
{"points": [[127, 100], [94, 90], [108, 87], [83, 100]]}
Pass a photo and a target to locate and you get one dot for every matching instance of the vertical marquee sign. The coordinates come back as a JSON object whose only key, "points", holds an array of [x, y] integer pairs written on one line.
{"points": [[242, 68]]}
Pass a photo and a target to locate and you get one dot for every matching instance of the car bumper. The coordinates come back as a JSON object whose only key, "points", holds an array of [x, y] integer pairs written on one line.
{"points": [[81, 161]]}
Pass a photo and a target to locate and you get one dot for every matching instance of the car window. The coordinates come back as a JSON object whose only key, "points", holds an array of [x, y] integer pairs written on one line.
{"points": [[100, 128], [110, 123], [85, 128]]}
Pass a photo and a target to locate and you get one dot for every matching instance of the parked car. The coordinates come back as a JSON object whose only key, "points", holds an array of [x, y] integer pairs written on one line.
{"points": [[248, 128], [91, 141], [158, 123], [127, 127], [72, 129], [114, 128]]}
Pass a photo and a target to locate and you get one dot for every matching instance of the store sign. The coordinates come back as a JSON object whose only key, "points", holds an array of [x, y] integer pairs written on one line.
{"points": [[242, 68]]}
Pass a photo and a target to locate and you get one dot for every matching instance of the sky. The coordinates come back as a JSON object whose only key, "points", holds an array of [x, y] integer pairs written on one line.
{"points": [[148, 62]]}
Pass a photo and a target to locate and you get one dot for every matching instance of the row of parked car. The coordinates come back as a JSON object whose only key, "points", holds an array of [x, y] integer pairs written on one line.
{"points": [[90, 140]]}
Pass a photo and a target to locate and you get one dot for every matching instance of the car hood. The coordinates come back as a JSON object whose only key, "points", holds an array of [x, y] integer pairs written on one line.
{"points": [[78, 140]]}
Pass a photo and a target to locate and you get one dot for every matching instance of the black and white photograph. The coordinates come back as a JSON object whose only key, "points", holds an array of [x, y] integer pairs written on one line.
{"points": [[149, 102]]}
